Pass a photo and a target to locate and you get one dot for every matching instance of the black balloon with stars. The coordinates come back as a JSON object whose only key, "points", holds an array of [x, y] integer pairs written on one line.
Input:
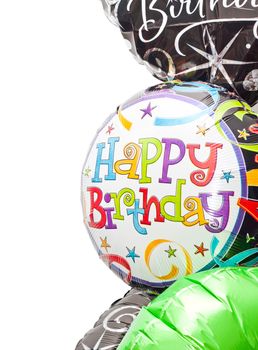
{"points": [[206, 40]]}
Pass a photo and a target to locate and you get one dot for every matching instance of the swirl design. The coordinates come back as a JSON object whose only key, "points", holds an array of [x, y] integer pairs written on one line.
{"points": [[197, 177], [190, 204], [129, 198], [174, 271], [125, 316], [131, 150], [159, 72], [214, 223]]}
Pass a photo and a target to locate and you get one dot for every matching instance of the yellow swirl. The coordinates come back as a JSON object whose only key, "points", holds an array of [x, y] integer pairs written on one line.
{"points": [[174, 269], [131, 150]]}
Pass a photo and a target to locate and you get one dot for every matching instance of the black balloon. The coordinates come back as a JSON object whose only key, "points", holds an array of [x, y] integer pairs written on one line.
{"points": [[207, 40], [112, 326]]}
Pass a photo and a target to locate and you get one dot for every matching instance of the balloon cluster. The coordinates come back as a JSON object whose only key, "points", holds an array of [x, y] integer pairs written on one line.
{"points": [[170, 183]]}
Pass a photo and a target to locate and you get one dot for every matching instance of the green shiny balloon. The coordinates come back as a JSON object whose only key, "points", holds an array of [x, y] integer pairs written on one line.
{"points": [[211, 310]]}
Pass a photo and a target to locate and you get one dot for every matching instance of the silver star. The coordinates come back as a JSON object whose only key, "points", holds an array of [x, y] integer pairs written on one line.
{"points": [[216, 60]]}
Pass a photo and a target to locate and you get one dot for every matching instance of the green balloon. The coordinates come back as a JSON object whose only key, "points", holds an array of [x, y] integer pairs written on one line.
{"points": [[211, 310]]}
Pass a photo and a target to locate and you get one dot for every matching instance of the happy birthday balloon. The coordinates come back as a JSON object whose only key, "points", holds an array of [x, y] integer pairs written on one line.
{"points": [[170, 184], [207, 40]]}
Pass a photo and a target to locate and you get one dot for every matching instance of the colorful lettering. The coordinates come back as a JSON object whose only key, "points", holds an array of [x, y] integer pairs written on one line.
{"points": [[132, 152], [222, 212], [167, 160], [107, 162], [146, 161], [198, 177]]}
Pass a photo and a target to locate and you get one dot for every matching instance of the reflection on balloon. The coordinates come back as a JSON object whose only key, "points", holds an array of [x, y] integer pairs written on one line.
{"points": [[114, 323], [182, 39], [209, 310], [174, 170]]}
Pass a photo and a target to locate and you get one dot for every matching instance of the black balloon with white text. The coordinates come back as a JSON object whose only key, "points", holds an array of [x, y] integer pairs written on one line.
{"points": [[207, 40]]}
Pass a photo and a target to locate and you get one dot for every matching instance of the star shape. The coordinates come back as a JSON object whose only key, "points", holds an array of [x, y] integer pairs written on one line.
{"points": [[110, 129], [200, 249], [227, 176], [249, 238], [132, 254], [171, 252], [162, 86], [243, 134], [216, 60], [87, 172], [148, 110], [104, 244], [202, 129]]}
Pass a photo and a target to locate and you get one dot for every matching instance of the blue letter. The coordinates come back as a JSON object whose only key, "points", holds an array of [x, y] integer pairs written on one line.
{"points": [[136, 212], [109, 162]]}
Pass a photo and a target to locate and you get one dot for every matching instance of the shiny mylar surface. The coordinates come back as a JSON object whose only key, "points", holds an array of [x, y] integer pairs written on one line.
{"points": [[113, 324], [170, 184], [212, 41], [211, 310]]}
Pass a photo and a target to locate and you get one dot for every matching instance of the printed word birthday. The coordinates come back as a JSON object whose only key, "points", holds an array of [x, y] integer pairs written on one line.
{"points": [[107, 209], [155, 14]]}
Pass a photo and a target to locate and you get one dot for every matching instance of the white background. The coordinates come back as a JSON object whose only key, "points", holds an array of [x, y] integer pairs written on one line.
{"points": [[63, 69]]}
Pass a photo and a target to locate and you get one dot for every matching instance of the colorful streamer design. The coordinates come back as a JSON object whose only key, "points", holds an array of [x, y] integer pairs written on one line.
{"points": [[174, 269], [176, 181], [125, 122], [250, 206]]}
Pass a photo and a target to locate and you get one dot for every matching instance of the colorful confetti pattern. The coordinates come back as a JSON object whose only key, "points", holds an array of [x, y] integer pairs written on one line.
{"points": [[170, 184]]}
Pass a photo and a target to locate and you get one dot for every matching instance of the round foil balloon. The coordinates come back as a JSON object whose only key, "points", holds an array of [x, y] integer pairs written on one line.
{"points": [[170, 184], [213, 41]]}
